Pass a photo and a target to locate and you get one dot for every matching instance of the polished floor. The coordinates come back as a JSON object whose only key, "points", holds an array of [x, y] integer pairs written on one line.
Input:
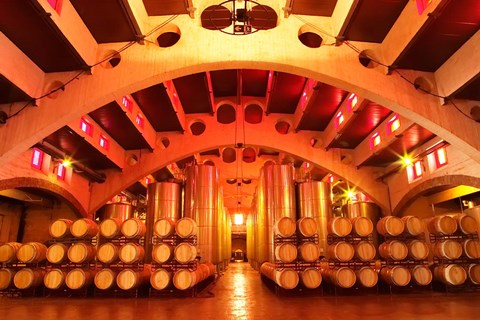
{"points": [[239, 294]]}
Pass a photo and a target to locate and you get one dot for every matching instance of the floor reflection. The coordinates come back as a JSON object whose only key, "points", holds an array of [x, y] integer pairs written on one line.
{"points": [[238, 306]]}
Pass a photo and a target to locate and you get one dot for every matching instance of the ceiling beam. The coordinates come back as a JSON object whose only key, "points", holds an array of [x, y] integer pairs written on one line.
{"points": [[364, 152], [176, 103], [333, 131], [114, 152], [147, 131], [460, 68], [408, 24], [73, 29], [308, 95]]}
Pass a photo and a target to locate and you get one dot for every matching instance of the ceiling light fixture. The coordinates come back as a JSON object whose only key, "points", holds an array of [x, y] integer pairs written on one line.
{"points": [[239, 17]]}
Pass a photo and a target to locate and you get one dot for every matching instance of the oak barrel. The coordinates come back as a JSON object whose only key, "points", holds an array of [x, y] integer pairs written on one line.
{"points": [[185, 252], [6, 278], [421, 275], [79, 278], [131, 252], [286, 252], [8, 252], [133, 228], [342, 277], [186, 227], [362, 226], [442, 225], [84, 228], [107, 253], [81, 252], [311, 277], [164, 227], [57, 253], [396, 275], [308, 251], [111, 228], [27, 278], [184, 279], [32, 252], [390, 226], [466, 224], [447, 249], [105, 279], [365, 251], [414, 226], [285, 227], [418, 249], [473, 272], [307, 227], [341, 251], [339, 226], [471, 248], [286, 278], [54, 279], [60, 228], [162, 253], [128, 279], [450, 274], [394, 250], [367, 277], [160, 279]]}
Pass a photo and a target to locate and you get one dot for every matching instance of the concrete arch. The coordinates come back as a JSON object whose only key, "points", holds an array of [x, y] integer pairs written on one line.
{"points": [[45, 185], [277, 49], [215, 136], [447, 180]]}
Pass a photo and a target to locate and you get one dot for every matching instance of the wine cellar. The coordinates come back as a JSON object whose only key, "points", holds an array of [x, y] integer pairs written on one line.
{"points": [[239, 159]]}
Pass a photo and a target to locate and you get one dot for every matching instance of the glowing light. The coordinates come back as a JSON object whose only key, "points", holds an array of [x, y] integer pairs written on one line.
{"points": [[238, 219], [37, 158], [331, 178], [86, 126], [61, 171], [66, 163], [375, 140], [339, 119], [139, 120], [351, 195], [352, 101], [441, 157], [127, 103], [407, 160], [103, 141]]}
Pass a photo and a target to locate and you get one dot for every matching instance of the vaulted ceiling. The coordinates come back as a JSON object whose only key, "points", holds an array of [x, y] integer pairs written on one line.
{"points": [[249, 95]]}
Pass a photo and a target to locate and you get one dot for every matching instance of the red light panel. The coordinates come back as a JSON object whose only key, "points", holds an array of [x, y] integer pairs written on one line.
{"points": [[37, 159]]}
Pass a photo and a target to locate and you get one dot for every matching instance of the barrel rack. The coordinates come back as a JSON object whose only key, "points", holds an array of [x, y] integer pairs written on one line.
{"points": [[463, 261]]}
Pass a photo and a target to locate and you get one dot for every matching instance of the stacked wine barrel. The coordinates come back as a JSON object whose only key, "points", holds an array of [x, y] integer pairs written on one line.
{"points": [[308, 253], [71, 255], [351, 253], [404, 251], [22, 266], [120, 256], [174, 256], [456, 250]]}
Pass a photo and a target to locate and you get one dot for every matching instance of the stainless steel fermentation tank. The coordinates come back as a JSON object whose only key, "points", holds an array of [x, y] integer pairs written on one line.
{"points": [[164, 200], [314, 201], [201, 204]]}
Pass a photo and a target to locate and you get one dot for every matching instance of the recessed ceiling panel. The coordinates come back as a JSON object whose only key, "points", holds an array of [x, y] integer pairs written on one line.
{"points": [[286, 91], [165, 7], [11, 93], [411, 139], [444, 33], [157, 107], [254, 82], [193, 93], [321, 108], [101, 17], [27, 25], [314, 7], [372, 19], [79, 149], [114, 121], [365, 122], [224, 83]]}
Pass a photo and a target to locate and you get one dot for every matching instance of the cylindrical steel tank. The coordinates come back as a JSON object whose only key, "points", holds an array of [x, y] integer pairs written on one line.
{"points": [[164, 200], [201, 201], [314, 201], [120, 210]]}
